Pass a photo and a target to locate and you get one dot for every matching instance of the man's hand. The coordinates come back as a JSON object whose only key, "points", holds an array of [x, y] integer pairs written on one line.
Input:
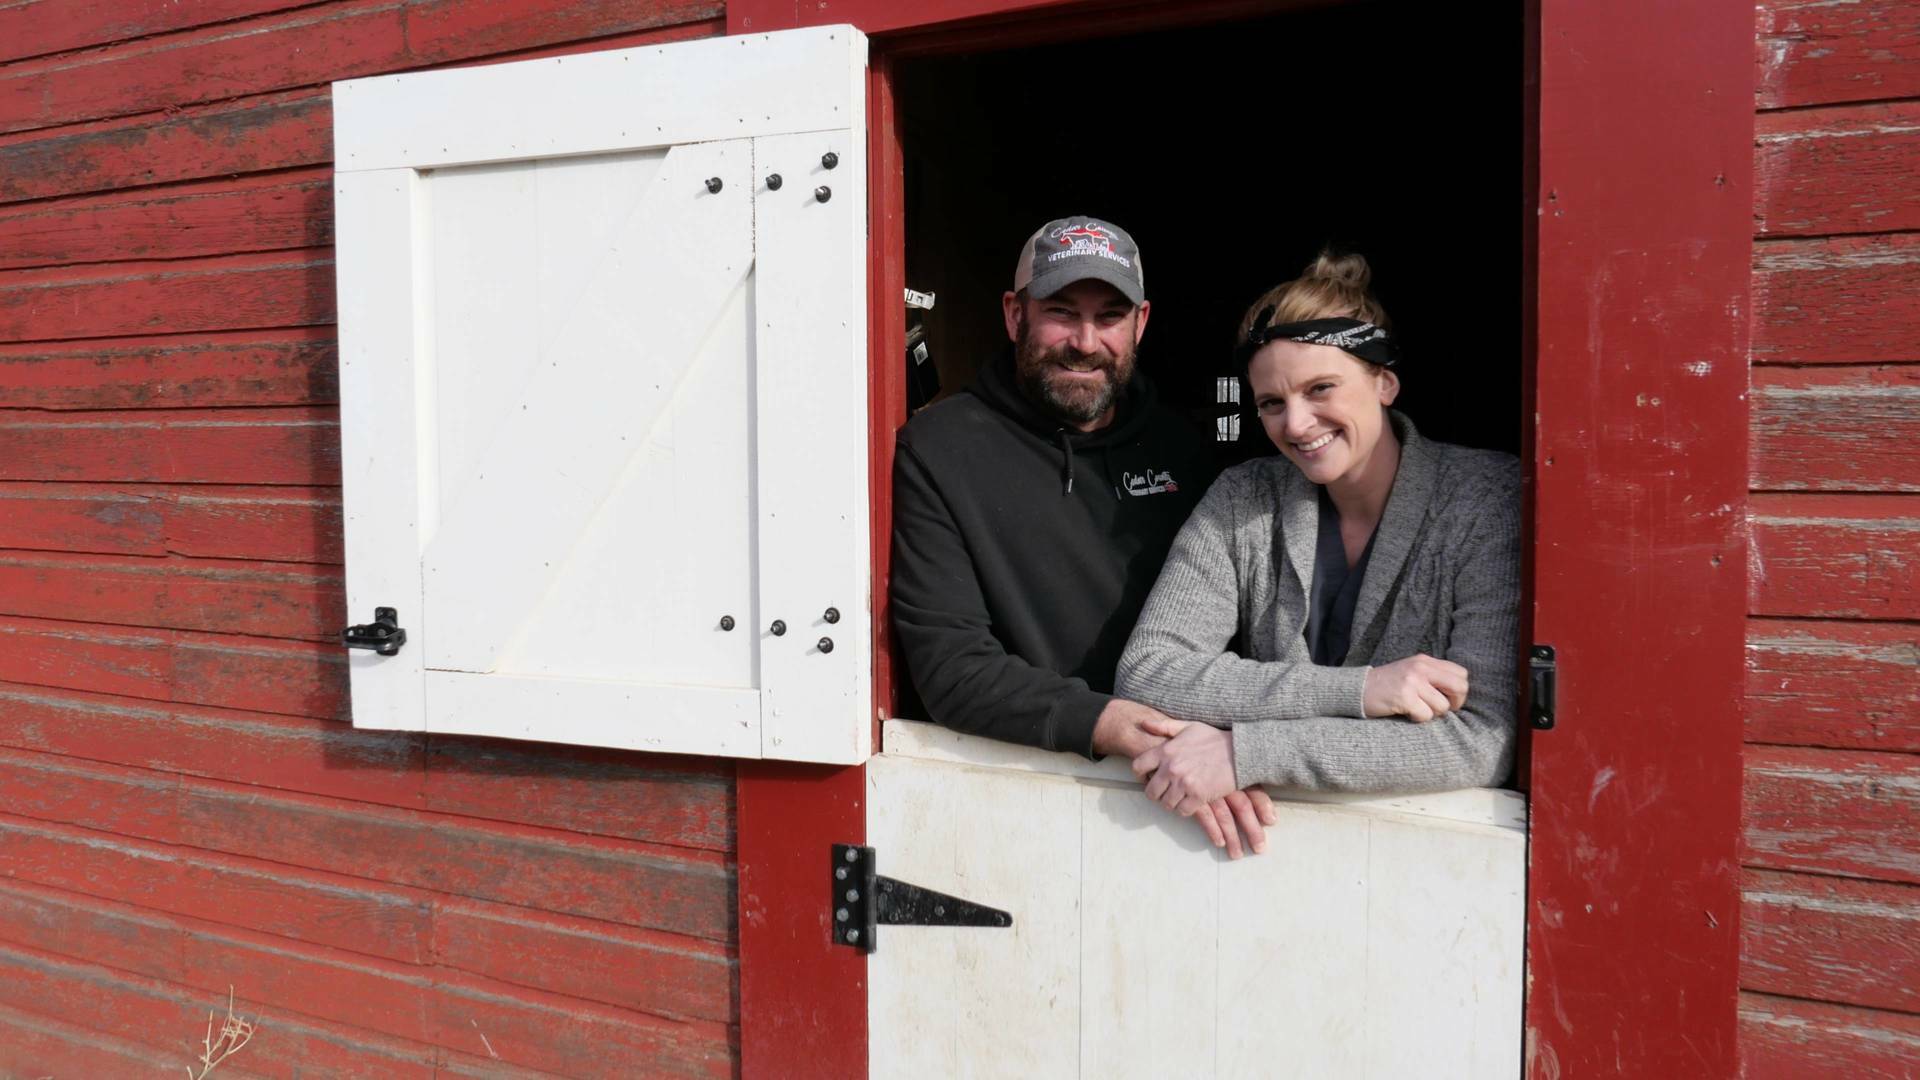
{"points": [[1419, 688], [1192, 769], [1122, 728]]}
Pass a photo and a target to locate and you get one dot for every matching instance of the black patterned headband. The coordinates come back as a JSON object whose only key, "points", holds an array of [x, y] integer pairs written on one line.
{"points": [[1365, 340]]}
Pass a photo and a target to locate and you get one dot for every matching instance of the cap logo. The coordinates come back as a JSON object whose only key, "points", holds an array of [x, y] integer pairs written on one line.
{"points": [[1087, 239]]}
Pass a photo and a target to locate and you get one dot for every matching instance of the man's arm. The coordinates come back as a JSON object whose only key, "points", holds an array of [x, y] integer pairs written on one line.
{"points": [[966, 678]]}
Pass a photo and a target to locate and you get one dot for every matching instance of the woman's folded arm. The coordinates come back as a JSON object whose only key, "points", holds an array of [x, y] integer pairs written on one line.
{"points": [[1177, 660]]}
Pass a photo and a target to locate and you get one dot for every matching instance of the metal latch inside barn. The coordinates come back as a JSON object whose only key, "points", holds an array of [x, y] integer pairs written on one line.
{"points": [[861, 900]]}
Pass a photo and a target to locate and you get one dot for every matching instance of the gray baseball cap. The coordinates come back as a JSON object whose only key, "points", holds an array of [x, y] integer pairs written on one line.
{"points": [[1077, 248]]}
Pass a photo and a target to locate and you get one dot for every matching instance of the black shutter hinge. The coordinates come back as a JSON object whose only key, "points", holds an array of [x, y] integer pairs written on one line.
{"points": [[862, 899], [383, 635], [1543, 686]]}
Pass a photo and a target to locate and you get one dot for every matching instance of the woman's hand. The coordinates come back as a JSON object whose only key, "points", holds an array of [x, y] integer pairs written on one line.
{"points": [[1193, 768], [1419, 688]]}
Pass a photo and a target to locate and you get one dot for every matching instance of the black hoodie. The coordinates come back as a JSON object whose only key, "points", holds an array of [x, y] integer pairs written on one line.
{"points": [[1023, 551]]}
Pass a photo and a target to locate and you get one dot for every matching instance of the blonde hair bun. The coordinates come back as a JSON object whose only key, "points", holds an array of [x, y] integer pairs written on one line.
{"points": [[1350, 269], [1333, 285]]}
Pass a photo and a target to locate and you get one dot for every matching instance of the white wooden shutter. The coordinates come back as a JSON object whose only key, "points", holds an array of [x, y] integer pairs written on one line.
{"points": [[603, 390]]}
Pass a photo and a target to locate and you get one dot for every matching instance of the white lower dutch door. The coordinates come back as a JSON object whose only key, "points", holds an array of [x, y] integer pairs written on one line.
{"points": [[604, 399]]}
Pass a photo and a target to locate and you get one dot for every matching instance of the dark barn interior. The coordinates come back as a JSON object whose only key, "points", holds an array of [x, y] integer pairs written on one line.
{"points": [[1232, 152]]}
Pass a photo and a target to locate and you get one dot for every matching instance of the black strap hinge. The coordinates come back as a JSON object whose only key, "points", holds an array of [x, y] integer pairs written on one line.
{"points": [[1542, 685], [862, 900]]}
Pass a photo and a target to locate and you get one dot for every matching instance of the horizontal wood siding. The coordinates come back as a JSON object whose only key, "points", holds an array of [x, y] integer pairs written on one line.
{"points": [[1831, 918], [183, 805]]}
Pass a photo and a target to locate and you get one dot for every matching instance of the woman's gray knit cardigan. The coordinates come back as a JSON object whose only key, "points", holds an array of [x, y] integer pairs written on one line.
{"points": [[1444, 579]]}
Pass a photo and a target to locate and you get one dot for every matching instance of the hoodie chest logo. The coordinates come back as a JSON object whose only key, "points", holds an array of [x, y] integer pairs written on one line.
{"points": [[1148, 483]]}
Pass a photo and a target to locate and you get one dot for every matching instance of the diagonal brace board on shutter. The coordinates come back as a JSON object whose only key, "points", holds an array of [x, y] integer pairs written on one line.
{"points": [[596, 393]]}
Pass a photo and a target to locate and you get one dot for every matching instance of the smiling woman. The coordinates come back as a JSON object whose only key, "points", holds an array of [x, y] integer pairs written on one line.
{"points": [[1371, 575]]}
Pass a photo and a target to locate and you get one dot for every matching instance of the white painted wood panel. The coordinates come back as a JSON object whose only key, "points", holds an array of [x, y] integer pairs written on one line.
{"points": [[1375, 939], [637, 716], [607, 395], [592, 418], [810, 374], [386, 371], [969, 1001], [622, 99]]}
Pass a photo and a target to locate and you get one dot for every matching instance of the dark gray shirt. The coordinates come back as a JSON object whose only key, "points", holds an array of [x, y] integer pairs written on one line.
{"points": [[1336, 589]]}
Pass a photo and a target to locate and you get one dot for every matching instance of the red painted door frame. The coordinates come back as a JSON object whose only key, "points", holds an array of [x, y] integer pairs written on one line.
{"points": [[1643, 258], [1636, 324]]}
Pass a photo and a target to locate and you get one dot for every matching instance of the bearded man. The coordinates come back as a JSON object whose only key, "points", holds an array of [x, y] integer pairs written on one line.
{"points": [[1032, 512]]}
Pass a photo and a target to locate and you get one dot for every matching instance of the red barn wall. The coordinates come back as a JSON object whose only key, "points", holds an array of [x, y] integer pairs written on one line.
{"points": [[183, 806], [1831, 935]]}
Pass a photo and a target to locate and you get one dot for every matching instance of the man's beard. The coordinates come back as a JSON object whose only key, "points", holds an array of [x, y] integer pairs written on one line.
{"points": [[1067, 399]]}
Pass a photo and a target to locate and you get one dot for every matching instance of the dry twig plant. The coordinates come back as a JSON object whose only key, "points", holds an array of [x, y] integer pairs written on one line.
{"points": [[234, 1033]]}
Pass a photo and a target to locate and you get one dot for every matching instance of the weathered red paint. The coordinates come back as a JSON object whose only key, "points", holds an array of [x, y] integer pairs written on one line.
{"points": [[1820, 54], [1836, 556], [235, 292], [50, 26], [214, 595], [258, 367], [1845, 300], [307, 47], [276, 131], [291, 677], [1821, 172], [1830, 939], [1847, 685], [272, 213], [1784, 1039], [173, 761], [1644, 206], [1834, 428], [1833, 812], [281, 524]]}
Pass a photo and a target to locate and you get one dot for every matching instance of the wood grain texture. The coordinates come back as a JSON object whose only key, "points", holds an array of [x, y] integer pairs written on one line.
{"points": [[41, 1046], [1845, 685], [303, 905], [212, 595], [1783, 1039], [297, 754], [294, 677], [1804, 289], [257, 368], [1829, 939], [171, 1017], [1829, 428], [1835, 556], [1816, 52], [646, 886], [229, 293], [566, 1036], [307, 47], [222, 217], [37, 27], [274, 132], [660, 798], [680, 803], [284, 524], [1842, 170], [1840, 812], [660, 974], [215, 446]]}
